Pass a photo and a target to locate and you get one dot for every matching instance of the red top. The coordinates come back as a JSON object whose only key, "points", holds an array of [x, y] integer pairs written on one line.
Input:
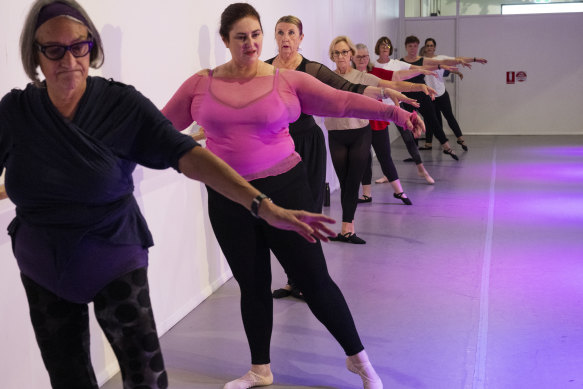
{"points": [[377, 125]]}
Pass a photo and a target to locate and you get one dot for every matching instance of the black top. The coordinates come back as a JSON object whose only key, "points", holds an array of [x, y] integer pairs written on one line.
{"points": [[419, 79], [327, 76]]}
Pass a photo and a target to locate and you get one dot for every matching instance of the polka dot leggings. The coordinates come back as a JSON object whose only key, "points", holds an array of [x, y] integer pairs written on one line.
{"points": [[123, 311]]}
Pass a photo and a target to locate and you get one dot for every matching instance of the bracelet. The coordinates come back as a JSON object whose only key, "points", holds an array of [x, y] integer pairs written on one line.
{"points": [[256, 203]]}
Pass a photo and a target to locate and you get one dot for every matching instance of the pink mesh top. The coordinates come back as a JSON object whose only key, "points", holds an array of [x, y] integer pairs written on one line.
{"points": [[246, 120]]}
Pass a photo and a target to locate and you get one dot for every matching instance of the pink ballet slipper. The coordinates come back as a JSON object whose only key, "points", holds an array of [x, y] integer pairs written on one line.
{"points": [[359, 364], [250, 380]]}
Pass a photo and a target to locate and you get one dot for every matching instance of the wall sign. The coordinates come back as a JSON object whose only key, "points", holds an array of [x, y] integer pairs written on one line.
{"points": [[512, 77]]}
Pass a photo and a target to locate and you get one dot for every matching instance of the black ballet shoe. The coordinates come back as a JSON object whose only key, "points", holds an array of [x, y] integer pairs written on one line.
{"points": [[349, 237], [426, 147], [366, 199], [403, 199], [451, 153], [463, 144], [281, 293], [408, 160], [295, 292]]}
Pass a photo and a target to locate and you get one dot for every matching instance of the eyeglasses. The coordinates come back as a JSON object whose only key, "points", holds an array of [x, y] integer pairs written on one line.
{"points": [[56, 52], [359, 57], [385, 46], [337, 53]]}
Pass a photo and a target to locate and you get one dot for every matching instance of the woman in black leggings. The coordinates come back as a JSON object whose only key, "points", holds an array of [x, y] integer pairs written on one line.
{"points": [[442, 103], [426, 107]]}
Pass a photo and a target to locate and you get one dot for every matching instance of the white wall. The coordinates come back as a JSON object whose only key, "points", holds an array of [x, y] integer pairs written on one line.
{"points": [[547, 47], [156, 51]]}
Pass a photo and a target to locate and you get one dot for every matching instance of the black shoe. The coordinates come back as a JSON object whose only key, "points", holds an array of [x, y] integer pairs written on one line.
{"points": [[352, 238], [403, 199], [426, 147], [295, 292], [408, 160], [281, 293], [349, 237], [451, 153], [366, 199], [463, 144]]}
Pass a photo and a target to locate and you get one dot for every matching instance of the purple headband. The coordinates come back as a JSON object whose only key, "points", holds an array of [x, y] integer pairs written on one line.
{"points": [[58, 9]]}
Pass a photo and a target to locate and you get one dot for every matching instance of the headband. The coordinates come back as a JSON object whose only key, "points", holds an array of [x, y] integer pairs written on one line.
{"points": [[58, 9]]}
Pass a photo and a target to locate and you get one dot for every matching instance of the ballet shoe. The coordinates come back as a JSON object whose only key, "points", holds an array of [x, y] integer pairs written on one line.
{"points": [[427, 146], [451, 153], [281, 293], [401, 196], [250, 380], [370, 378], [427, 177], [364, 199], [462, 143]]}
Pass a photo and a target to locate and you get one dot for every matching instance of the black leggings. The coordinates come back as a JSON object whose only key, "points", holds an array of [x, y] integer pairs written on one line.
{"points": [[349, 151], [382, 148], [310, 144], [426, 108], [442, 105], [246, 242], [124, 313]]}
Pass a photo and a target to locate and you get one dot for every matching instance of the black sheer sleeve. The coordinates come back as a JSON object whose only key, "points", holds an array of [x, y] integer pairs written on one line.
{"points": [[327, 76]]}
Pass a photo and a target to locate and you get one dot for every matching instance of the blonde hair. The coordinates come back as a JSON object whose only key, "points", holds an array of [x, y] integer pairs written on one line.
{"points": [[338, 39]]}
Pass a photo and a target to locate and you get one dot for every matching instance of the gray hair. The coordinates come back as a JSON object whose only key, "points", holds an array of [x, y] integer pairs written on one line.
{"points": [[29, 51], [369, 65]]}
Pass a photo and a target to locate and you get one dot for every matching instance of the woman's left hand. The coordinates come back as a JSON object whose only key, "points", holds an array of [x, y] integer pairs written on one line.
{"points": [[309, 225]]}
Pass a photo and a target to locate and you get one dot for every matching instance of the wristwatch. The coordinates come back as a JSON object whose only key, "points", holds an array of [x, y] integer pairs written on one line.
{"points": [[257, 202]]}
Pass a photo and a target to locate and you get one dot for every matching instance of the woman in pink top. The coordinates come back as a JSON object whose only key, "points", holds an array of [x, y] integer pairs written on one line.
{"points": [[245, 107]]}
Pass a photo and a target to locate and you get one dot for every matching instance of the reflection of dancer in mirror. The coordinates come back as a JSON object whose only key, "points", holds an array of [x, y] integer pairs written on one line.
{"points": [[69, 145], [245, 106], [442, 102]]}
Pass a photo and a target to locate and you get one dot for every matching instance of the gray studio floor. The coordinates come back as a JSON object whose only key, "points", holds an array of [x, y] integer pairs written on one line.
{"points": [[479, 284]]}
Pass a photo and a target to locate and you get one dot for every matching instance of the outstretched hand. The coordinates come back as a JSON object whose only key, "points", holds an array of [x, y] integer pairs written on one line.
{"points": [[428, 91], [398, 97], [309, 225], [415, 125]]}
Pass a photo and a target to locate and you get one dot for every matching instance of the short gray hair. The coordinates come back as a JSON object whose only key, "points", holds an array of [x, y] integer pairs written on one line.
{"points": [[29, 51], [369, 65]]}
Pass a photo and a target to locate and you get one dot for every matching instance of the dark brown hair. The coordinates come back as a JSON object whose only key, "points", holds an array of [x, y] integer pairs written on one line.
{"points": [[232, 14], [411, 39], [431, 40], [383, 40]]}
